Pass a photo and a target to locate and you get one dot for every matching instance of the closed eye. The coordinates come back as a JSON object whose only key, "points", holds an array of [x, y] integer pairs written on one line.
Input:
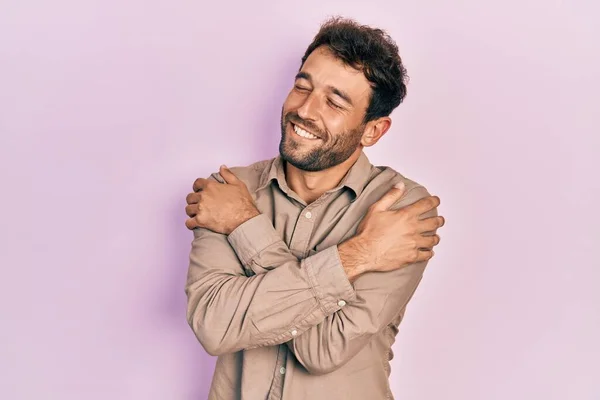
{"points": [[334, 105]]}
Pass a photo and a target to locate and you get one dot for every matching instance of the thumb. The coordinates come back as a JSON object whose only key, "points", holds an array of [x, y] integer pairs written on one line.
{"points": [[227, 175], [388, 199]]}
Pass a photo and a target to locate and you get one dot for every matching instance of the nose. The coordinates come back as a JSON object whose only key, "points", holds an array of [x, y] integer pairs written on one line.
{"points": [[309, 109]]}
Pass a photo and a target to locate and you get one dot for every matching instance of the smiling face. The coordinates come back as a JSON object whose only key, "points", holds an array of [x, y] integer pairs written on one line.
{"points": [[322, 116]]}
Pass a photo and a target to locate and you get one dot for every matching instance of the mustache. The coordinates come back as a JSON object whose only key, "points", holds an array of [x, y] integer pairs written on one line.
{"points": [[293, 117]]}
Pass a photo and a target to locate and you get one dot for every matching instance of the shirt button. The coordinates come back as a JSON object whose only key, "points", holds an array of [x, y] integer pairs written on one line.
{"points": [[282, 370], [294, 332], [341, 303], [308, 215]]}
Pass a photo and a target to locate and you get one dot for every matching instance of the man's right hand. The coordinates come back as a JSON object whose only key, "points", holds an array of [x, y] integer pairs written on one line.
{"points": [[391, 239]]}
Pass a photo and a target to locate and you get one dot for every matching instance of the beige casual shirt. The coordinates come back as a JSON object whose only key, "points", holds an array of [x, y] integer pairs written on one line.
{"points": [[273, 302]]}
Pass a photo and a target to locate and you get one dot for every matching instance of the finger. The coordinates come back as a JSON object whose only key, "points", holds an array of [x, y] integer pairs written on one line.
{"points": [[228, 176], [391, 197], [430, 224], [191, 223], [424, 255], [199, 184], [192, 198], [423, 205], [191, 210], [428, 242]]}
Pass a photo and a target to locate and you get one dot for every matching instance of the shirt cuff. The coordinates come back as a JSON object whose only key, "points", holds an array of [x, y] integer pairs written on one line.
{"points": [[329, 280], [252, 237]]}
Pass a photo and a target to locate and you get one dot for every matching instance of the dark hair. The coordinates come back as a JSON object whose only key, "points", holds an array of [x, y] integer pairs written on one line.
{"points": [[373, 52]]}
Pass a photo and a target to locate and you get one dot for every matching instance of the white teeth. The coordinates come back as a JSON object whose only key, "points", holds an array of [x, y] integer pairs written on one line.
{"points": [[303, 133]]}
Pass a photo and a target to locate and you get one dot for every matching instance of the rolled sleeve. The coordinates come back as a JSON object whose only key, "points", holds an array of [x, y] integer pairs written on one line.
{"points": [[252, 237]]}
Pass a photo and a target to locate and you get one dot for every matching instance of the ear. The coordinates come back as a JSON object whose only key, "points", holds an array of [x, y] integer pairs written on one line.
{"points": [[375, 130]]}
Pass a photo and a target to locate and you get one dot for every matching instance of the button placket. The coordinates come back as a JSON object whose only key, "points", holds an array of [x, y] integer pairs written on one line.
{"points": [[277, 385], [304, 228]]}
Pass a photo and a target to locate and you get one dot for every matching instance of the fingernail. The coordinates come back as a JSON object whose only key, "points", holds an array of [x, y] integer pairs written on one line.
{"points": [[223, 166], [399, 185]]}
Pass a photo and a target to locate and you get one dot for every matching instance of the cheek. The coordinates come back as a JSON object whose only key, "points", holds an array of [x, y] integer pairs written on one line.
{"points": [[335, 123], [340, 122]]}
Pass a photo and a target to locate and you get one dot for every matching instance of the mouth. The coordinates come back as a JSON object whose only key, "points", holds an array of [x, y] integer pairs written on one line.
{"points": [[303, 132]]}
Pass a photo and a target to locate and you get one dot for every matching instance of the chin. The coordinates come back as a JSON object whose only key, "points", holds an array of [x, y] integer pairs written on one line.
{"points": [[295, 157]]}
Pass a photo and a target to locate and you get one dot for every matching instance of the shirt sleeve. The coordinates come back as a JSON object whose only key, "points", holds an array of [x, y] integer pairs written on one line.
{"points": [[230, 311], [380, 298]]}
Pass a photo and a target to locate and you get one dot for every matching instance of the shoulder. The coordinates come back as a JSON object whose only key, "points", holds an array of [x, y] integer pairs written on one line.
{"points": [[414, 191], [251, 175]]}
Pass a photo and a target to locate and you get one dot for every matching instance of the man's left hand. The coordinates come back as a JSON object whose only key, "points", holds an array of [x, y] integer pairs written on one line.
{"points": [[219, 207]]}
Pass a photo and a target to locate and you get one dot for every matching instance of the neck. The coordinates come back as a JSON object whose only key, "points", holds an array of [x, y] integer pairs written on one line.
{"points": [[310, 185]]}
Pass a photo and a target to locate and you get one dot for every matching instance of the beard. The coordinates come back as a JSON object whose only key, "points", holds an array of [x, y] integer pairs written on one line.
{"points": [[327, 151]]}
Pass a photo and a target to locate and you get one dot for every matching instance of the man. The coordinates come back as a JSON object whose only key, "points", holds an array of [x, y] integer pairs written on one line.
{"points": [[301, 266]]}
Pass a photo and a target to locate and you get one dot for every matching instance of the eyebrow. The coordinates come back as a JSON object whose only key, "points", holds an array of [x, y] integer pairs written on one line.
{"points": [[334, 90]]}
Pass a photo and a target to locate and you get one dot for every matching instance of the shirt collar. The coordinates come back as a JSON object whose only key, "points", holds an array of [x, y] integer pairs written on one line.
{"points": [[356, 179]]}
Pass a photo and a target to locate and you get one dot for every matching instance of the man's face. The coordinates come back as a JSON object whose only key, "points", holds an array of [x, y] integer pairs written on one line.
{"points": [[322, 116]]}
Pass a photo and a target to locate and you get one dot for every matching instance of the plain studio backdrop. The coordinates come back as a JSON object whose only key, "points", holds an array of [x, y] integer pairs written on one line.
{"points": [[110, 109]]}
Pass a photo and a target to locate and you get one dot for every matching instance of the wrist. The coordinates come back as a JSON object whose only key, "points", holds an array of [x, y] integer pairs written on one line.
{"points": [[245, 216], [249, 213], [353, 255]]}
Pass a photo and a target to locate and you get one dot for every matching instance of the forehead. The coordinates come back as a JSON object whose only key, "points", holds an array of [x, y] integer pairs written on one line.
{"points": [[327, 70]]}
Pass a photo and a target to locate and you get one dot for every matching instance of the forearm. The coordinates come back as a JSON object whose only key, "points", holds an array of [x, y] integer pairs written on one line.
{"points": [[229, 311], [260, 248], [355, 258], [380, 298]]}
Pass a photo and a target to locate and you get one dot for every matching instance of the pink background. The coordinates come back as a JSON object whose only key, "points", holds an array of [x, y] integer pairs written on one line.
{"points": [[110, 109]]}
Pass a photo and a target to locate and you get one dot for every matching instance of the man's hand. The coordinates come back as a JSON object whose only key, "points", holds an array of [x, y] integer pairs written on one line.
{"points": [[386, 239], [219, 207]]}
